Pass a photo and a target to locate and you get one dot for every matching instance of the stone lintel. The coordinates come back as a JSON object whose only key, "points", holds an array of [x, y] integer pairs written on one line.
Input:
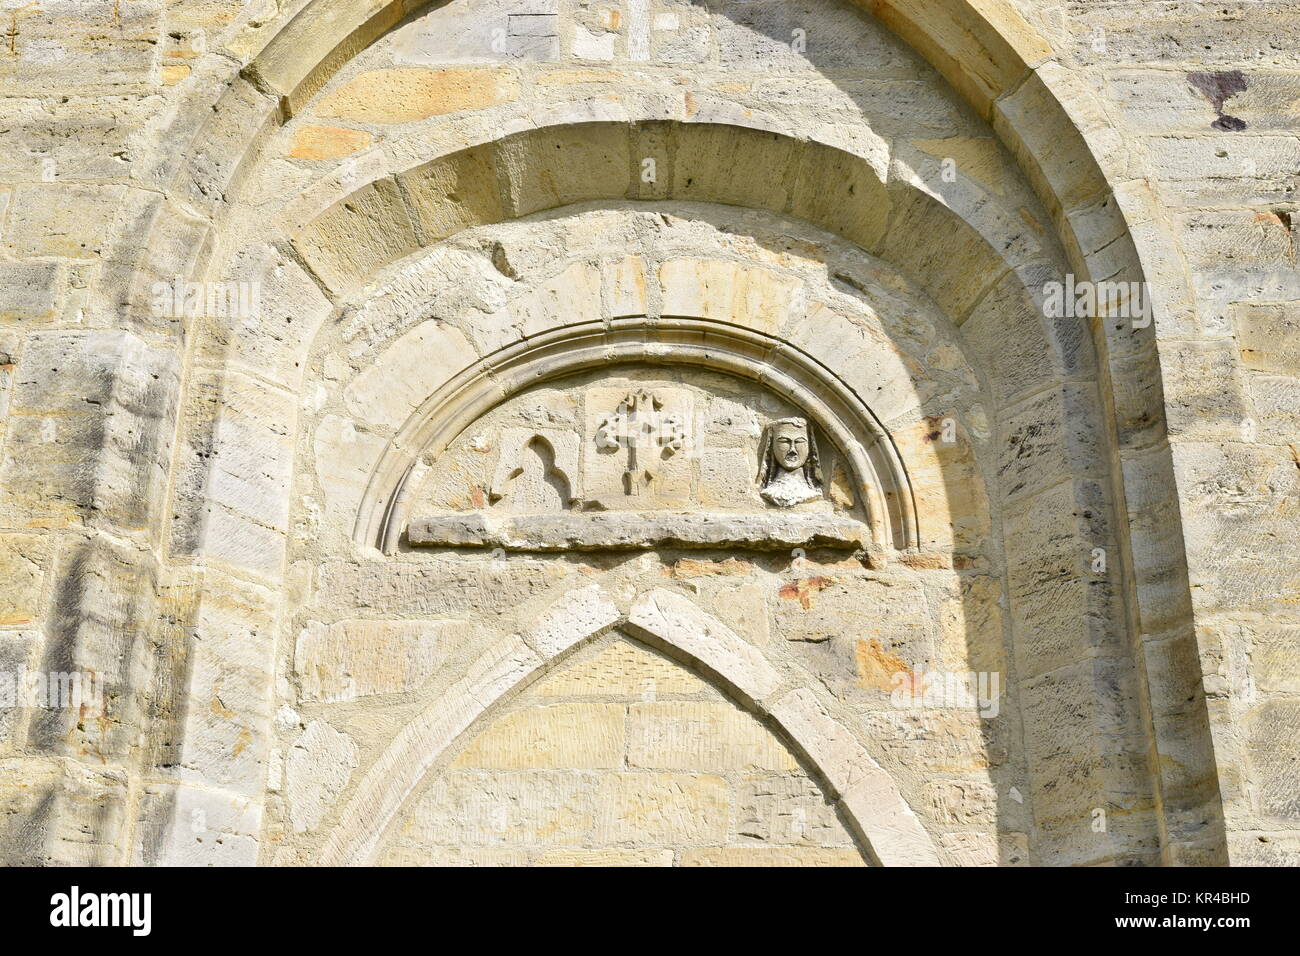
{"points": [[631, 531]]}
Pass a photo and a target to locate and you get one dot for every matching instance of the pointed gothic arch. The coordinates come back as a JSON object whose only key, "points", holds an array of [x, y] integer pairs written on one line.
{"points": [[864, 792]]}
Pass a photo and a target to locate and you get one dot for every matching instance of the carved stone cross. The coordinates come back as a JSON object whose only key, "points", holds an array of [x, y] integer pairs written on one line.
{"points": [[641, 427]]}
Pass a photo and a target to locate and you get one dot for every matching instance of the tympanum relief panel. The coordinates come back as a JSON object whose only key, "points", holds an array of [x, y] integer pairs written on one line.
{"points": [[637, 458]]}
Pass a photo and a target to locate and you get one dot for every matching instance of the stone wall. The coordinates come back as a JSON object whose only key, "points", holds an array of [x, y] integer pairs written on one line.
{"points": [[425, 238]]}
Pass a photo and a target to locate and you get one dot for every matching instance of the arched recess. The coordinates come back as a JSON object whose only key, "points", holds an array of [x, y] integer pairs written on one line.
{"points": [[879, 474], [372, 250], [866, 795]]}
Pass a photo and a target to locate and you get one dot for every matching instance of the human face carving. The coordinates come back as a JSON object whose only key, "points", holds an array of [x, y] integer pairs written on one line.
{"points": [[790, 445]]}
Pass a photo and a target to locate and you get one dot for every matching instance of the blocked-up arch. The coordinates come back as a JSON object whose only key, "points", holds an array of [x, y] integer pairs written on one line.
{"points": [[864, 792], [369, 249]]}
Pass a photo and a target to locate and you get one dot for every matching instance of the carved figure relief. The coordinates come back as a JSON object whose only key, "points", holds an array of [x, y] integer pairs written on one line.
{"points": [[636, 465], [789, 470]]}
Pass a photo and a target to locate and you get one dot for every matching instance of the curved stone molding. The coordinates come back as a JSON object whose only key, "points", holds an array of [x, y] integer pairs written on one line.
{"points": [[415, 749], [984, 48], [868, 794], [388, 208], [669, 619], [865, 793], [880, 477]]}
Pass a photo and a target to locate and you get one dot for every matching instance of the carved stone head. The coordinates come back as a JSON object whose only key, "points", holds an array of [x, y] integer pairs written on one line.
{"points": [[790, 443], [789, 471]]}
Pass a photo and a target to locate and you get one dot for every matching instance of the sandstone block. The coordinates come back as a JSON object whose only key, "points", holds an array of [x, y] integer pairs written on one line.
{"points": [[772, 856], [317, 769], [351, 659], [408, 95], [579, 615], [357, 236], [65, 220], [671, 618], [22, 569], [409, 371], [658, 809], [606, 857], [327, 142], [561, 165], [1061, 607], [624, 669], [504, 809], [700, 735], [32, 291], [787, 809], [729, 292], [1270, 727], [565, 736], [207, 828], [453, 193], [345, 458]]}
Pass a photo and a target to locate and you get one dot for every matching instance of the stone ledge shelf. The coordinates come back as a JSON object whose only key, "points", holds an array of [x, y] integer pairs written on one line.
{"points": [[639, 530]]}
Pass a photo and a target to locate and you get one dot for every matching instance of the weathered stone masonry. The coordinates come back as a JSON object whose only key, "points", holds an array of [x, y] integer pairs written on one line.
{"points": [[552, 432]]}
